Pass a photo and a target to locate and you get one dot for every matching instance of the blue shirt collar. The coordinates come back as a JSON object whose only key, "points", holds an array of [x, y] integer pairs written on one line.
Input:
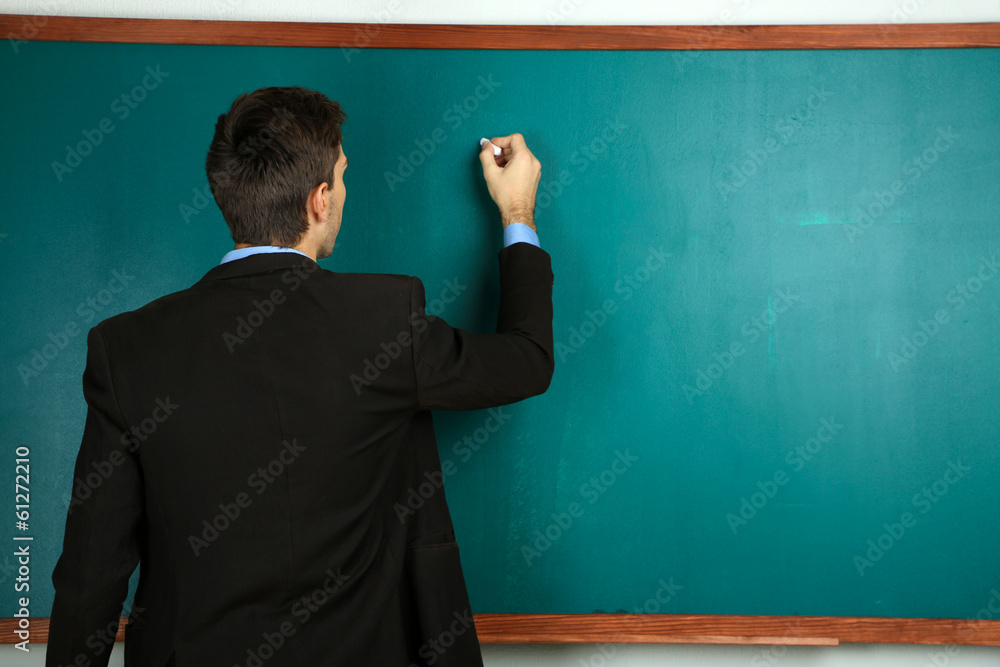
{"points": [[253, 250]]}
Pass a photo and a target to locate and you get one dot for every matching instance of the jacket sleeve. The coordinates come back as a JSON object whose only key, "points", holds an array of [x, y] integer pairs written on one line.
{"points": [[101, 543], [461, 370]]}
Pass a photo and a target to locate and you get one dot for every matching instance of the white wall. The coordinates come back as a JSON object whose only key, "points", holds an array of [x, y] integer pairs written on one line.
{"points": [[620, 12], [646, 655]]}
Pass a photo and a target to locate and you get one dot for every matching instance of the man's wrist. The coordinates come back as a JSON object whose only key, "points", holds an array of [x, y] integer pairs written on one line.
{"points": [[528, 220]]}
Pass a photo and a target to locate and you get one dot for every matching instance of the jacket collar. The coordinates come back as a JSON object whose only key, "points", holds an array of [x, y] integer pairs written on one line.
{"points": [[259, 263]]}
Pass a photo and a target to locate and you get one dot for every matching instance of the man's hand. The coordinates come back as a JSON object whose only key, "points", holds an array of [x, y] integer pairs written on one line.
{"points": [[512, 178]]}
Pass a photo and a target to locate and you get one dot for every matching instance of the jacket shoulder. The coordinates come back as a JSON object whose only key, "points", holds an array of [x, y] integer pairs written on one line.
{"points": [[384, 284]]}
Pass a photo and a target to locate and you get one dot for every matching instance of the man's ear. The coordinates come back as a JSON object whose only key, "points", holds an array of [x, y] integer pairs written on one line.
{"points": [[317, 202]]}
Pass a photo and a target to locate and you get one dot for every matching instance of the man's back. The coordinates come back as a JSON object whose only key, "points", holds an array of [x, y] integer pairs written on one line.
{"points": [[263, 428]]}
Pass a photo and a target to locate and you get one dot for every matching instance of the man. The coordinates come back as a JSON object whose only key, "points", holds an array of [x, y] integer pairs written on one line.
{"points": [[258, 433]]}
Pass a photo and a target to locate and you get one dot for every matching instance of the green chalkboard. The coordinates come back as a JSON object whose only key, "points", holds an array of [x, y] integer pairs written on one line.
{"points": [[776, 302]]}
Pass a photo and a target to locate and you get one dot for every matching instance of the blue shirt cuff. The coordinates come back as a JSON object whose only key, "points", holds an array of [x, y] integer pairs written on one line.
{"points": [[518, 232]]}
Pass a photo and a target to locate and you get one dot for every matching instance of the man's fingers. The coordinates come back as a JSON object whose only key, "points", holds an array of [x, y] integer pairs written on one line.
{"points": [[515, 140], [502, 142], [505, 144], [487, 158], [510, 145]]}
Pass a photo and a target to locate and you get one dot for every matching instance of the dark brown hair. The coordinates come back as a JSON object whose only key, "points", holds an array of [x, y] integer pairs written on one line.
{"points": [[269, 151]]}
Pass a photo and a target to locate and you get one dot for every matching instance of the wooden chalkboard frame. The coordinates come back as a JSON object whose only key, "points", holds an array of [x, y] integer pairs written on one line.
{"points": [[528, 37], [570, 628]]}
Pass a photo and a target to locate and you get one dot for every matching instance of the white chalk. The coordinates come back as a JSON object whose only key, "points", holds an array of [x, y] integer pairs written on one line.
{"points": [[496, 149]]}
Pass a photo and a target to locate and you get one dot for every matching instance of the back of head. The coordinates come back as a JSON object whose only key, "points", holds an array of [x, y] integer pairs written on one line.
{"points": [[269, 151]]}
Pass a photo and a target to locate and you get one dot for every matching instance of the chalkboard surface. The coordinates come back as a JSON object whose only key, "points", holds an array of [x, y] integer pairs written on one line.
{"points": [[776, 302]]}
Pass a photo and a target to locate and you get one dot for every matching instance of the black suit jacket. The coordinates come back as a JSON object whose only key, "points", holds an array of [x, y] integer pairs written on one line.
{"points": [[253, 441]]}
